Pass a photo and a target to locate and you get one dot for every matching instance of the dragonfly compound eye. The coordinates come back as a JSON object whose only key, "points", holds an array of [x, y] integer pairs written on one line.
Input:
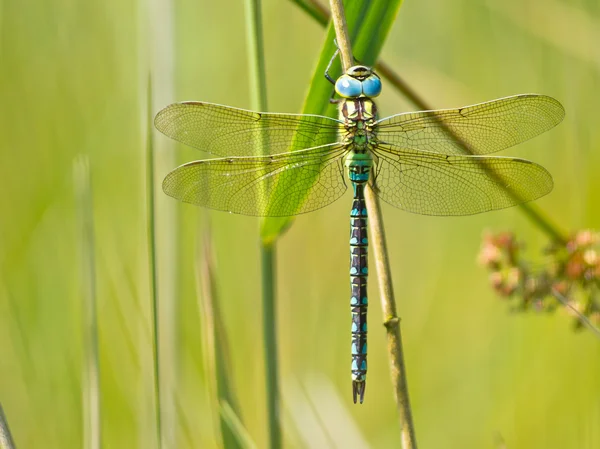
{"points": [[348, 87], [371, 87]]}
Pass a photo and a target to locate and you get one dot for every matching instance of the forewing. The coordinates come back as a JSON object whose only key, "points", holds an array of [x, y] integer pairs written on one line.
{"points": [[227, 131], [483, 128], [277, 186], [436, 184]]}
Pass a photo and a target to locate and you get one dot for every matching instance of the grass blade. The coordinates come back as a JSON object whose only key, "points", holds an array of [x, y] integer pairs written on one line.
{"points": [[229, 417], [91, 389], [151, 205], [217, 348], [160, 44]]}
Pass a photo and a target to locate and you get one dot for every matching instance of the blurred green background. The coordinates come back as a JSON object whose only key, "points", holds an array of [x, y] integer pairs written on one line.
{"points": [[73, 81]]}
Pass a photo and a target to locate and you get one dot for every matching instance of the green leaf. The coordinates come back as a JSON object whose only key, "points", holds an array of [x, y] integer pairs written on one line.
{"points": [[369, 23]]}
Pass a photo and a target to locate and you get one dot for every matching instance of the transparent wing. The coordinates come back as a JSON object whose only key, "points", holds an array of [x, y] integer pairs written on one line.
{"points": [[436, 184], [276, 186], [227, 131], [483, 128]]}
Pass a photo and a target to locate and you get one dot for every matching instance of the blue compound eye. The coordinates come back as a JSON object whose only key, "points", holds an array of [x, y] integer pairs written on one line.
{"points": [[348, 87], [371, 87]]}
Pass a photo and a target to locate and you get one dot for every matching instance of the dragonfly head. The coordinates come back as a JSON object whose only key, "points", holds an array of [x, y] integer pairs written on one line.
{"points": [[358, 81]]}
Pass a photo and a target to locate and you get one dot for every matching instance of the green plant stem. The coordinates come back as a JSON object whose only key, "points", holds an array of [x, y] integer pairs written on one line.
{"points": [[258, 89], [236, 426], [6, 440], [391, 320], [533, 212], [270, 342], [151, 203], [217, 352], [91, 400], [256, 56]]}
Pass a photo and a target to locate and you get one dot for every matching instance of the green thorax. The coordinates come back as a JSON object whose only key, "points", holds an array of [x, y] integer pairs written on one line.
{"points": [[360, 130]]}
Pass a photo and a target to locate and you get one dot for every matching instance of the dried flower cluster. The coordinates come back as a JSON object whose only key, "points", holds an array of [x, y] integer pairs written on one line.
{"points": [[571, 278]]}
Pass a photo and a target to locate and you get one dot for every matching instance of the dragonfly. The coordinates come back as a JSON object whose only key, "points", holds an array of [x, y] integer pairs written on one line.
{"points": [[429, 162]]}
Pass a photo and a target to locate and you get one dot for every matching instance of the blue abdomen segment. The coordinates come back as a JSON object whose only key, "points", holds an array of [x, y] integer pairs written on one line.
{"points": [[358, 282]]}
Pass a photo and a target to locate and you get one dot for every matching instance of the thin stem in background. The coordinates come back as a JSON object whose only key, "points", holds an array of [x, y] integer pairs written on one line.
{"points": [[533, 212], [216, 350], [236, 426], [91, 389], [580, 316], [258, 90], [268, 260], [391, 320], [6, 440], [158, 382], [152, 261], [158, 46]]}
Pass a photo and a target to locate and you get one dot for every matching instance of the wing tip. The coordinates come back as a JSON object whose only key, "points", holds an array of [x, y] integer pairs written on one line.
{"points": [[158, 118], [556, 115]]}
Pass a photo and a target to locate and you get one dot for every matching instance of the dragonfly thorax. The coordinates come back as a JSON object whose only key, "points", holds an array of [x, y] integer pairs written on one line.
{"points": [[356, 110], [360, 122]]}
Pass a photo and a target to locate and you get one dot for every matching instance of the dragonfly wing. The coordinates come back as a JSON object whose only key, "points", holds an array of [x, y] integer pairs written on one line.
{"points": [[277, 186], [227, 131], [437, 184], [483, 128]]}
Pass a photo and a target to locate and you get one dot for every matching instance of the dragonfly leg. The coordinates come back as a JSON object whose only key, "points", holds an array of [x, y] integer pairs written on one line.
{"points": [[334, 100], [329, 78]]}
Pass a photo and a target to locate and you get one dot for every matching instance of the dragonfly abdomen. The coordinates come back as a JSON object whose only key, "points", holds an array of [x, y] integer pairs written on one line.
{"points": [[359, 175]]}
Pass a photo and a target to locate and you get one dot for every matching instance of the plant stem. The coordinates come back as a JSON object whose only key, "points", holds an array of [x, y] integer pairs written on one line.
{"points": [[236, 426], [391, 321], [341, 33], [152, 270], [256, 57], [270, 342], [217, 352], [258, 89], [91, 399]]}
